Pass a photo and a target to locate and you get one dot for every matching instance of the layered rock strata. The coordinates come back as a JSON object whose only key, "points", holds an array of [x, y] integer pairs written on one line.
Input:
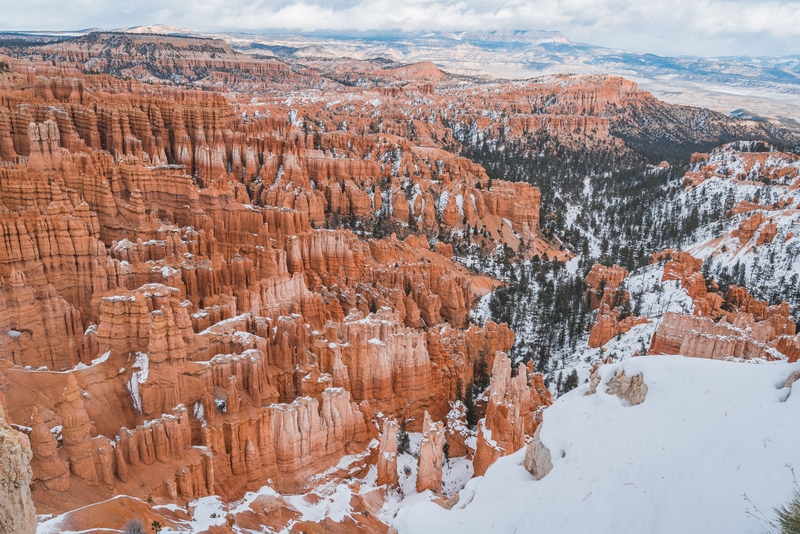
{"points": [[191, 305], [733, 325]]}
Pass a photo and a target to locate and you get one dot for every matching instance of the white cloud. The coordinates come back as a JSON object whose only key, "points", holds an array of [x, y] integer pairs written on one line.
{"points": [[697, 27]]}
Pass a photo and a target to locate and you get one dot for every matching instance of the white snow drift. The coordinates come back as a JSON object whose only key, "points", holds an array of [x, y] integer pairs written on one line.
{"points": [[707, 433]]}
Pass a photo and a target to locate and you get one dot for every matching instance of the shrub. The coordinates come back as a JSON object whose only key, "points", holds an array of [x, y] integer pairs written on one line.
{"points": [[403, 440], [134, 526], [789, 514]]}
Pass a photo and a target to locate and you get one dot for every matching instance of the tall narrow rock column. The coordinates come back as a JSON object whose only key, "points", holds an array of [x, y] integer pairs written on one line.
{"points": [[387, 454], [429, 471], [17, 513], [48, 467], [76, 433]]}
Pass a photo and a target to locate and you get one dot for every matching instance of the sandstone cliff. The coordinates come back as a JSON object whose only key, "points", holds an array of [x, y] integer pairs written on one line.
{"points": [[191, 305], [17, 513]]}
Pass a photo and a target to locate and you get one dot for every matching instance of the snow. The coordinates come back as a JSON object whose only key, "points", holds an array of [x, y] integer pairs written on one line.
{"points": [[460, 204], [441, 202], [708, 432], [770, 268], [138, 377], [335, 504], [96, 361], [207, 512]]}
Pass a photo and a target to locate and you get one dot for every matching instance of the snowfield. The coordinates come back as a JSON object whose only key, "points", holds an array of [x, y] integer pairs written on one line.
{"points": [[707, 433]]}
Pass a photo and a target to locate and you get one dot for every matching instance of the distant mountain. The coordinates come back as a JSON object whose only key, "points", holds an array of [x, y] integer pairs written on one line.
{"points": [[516, 36], [161, 29], [766, 87]]}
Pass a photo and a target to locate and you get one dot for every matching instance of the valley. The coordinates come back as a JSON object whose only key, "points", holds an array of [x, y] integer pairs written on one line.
{"points": [[282, 293]]}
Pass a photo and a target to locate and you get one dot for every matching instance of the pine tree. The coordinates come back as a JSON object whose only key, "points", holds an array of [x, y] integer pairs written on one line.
{"points": [[403, 441], [571, 382]]}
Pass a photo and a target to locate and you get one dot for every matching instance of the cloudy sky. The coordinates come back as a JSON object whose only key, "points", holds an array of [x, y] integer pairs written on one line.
{"points": [[665, 27]]}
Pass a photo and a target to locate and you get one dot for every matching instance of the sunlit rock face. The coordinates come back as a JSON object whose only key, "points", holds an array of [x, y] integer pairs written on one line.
{"points": [[191, 305]]}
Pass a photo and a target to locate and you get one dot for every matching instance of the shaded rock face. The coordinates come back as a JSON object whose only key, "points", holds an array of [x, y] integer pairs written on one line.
{"points": [[632, 389], [538, 461], [17, 513]]}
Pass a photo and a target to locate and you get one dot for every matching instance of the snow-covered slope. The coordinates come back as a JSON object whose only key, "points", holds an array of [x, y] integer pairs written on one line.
{"points": [[737, 188], [707, 433], [652, 298]]}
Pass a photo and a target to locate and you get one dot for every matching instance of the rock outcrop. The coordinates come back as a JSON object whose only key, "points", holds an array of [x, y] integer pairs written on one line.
{"points": [[734, 325], [457, 431], [510, 414], [631, 389], [17, 513], [537, 460], [387, 454], [605, 293], [729, 325], [608, 325], [429, 470], [603, 286], [190, 303]]}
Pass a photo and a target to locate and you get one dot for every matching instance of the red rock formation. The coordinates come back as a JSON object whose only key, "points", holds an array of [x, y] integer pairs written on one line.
{"points": [[767, 233], [45, 331], [602, 284], [685, 268], [48, 466], [789, 347], [608, 325], [731, 162], [736, 325], [510, 413], [429, 470], [701, 337], [604, 291], [457, 431], [387, 454], [17, 513], [541, 398], [747, 228], [190, 274]]}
